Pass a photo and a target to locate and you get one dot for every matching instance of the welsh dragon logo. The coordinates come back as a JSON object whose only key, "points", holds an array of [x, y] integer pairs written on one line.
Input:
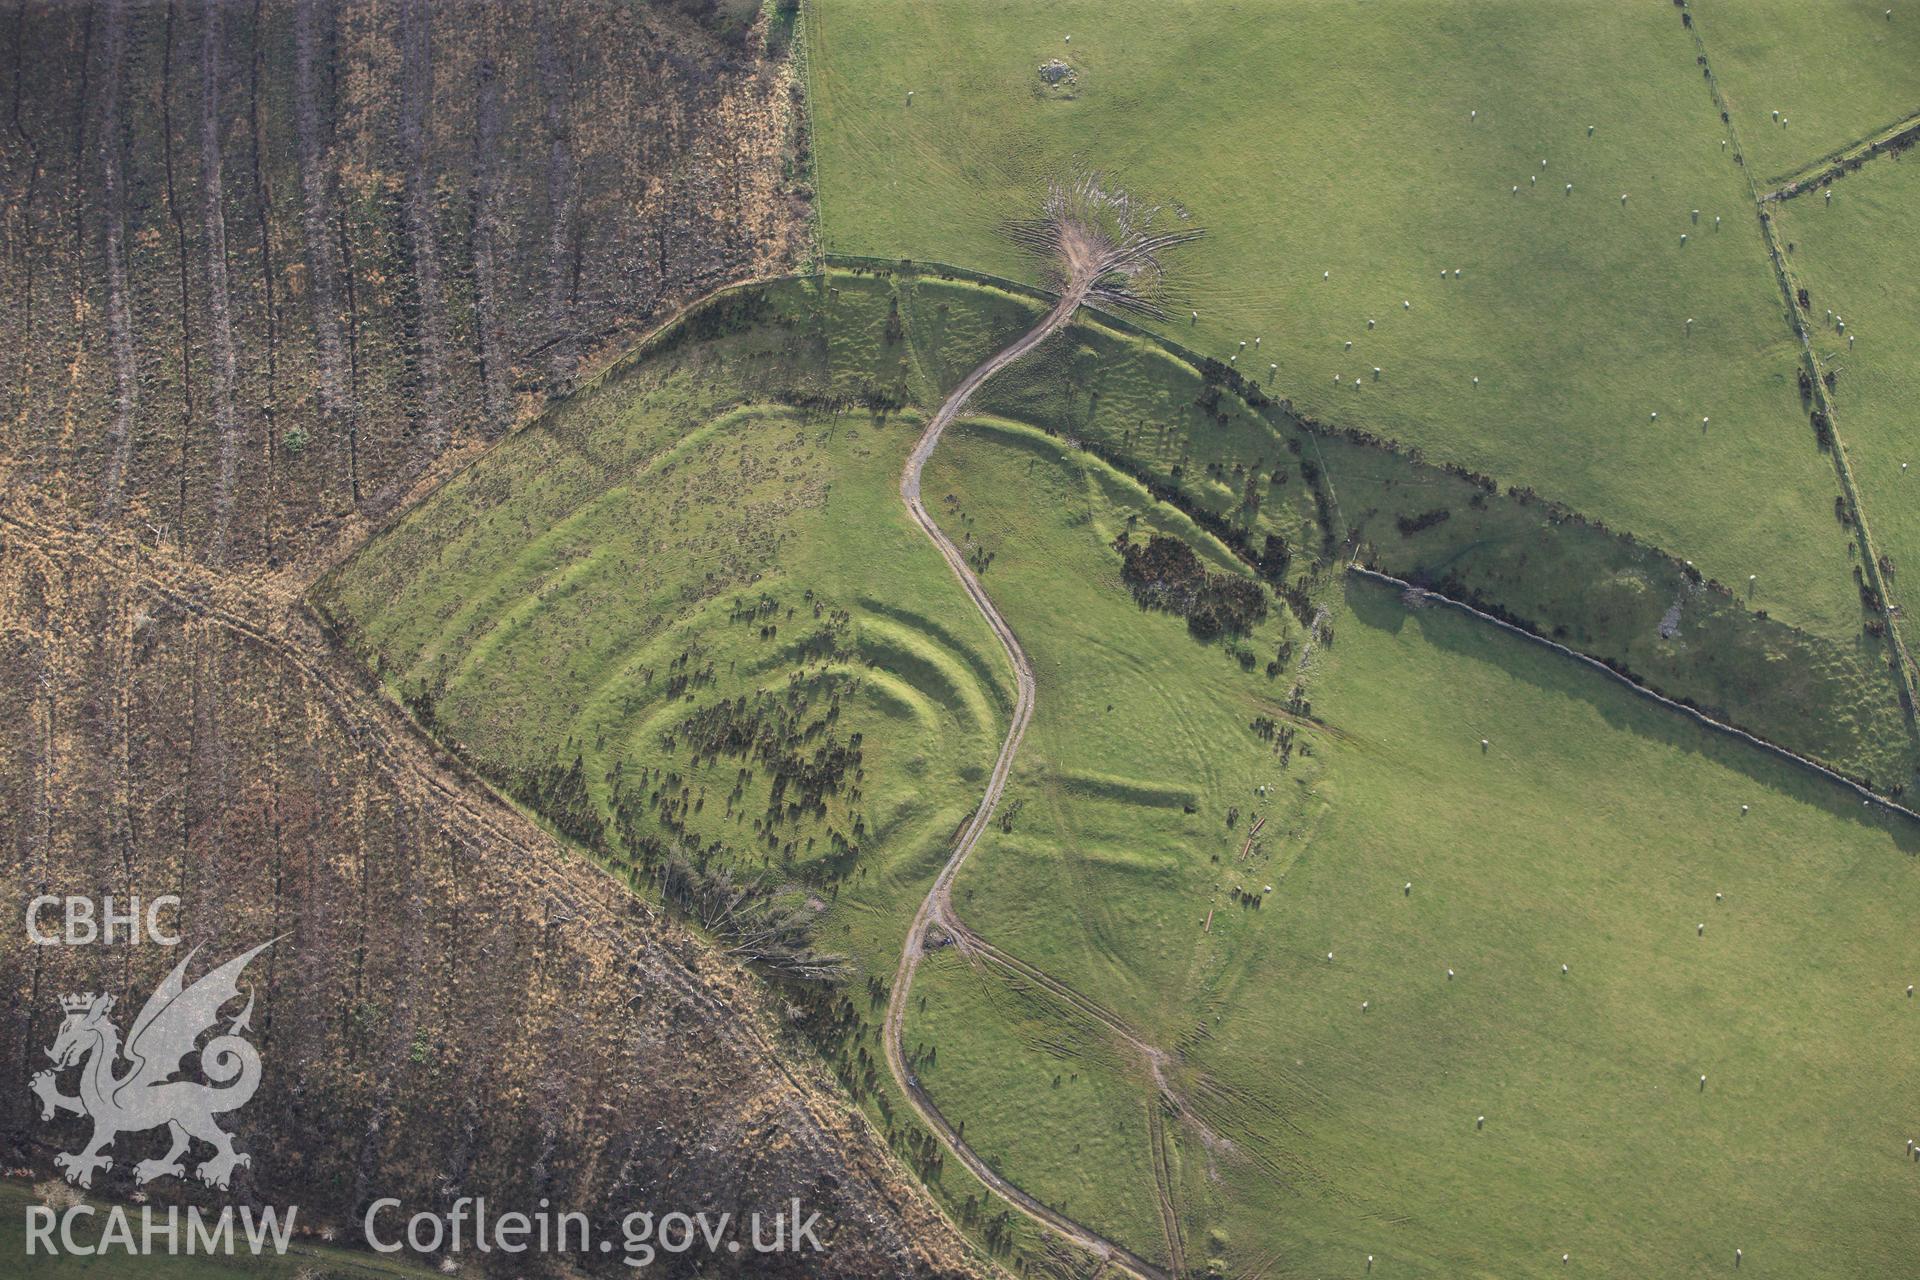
{"points": [[144, 1095]]}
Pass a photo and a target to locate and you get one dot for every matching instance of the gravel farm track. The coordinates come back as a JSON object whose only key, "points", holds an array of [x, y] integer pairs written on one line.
{"points": [[936, 910]]}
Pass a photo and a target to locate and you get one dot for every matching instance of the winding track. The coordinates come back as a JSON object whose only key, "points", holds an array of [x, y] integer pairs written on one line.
{"points": [[937, 907]]}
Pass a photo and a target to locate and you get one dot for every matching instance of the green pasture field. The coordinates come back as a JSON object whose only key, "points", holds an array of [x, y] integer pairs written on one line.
{"points": [[1836, 71], [708, 546], [1593, 831], [1852, 258], [1328, 150], [1253, 470]]}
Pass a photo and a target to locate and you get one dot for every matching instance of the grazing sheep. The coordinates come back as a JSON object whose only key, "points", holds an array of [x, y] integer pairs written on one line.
{"points": [[1703, 1084], [1449, 975], [1376, 373], [1654, 416], [1569, 188], [1365, 1005], [1563, 971], [1408, 890], [1700, 930], [1683, 237], [1483, 741], [1623, 197], [1473, 115], [1349, 345], [1480, 1122], [1369, 324], [1719, 897]]}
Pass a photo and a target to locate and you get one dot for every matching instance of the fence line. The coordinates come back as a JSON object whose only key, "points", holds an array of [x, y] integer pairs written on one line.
{"points": [[1694, 713]]}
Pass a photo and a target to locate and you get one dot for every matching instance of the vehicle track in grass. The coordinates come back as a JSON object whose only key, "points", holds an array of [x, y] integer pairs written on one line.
{"points": [[936, 909]]}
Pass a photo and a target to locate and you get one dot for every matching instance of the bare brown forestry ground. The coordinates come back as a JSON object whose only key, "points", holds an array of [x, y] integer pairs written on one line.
{"points": [[266, 270], [260, 264], [458, 1003]]}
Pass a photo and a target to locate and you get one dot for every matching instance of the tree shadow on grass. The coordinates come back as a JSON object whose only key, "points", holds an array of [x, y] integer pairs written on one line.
{"points": [[1379, 606]]}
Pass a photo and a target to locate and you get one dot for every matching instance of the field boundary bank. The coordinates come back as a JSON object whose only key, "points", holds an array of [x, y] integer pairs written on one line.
{"points": [[1693, 713], [1903, 665], [801, 55], [1890, 140]]}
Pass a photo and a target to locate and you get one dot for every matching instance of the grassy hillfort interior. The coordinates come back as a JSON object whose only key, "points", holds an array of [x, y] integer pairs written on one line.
{"points": [[1155, 639]]}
